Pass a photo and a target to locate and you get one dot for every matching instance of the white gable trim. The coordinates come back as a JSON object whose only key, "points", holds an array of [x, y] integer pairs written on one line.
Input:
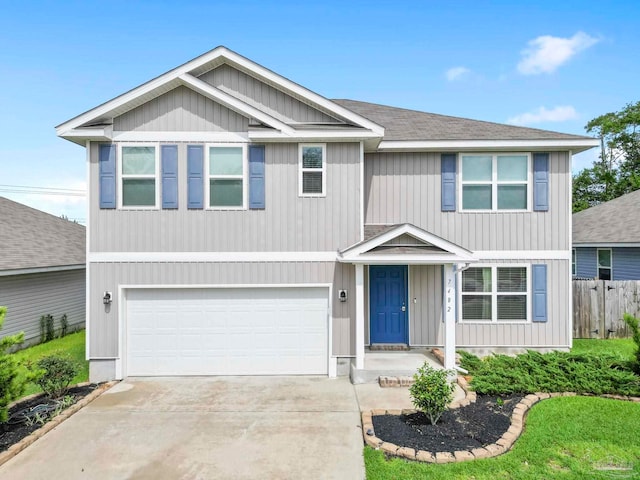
{"points": [[360, 252]]}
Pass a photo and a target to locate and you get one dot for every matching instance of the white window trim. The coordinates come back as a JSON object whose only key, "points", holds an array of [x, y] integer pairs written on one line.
{"points": [[574, 262], [208, 176], [301, 170], [494, 295], [122, 176], [598, 266], [494, 182]]}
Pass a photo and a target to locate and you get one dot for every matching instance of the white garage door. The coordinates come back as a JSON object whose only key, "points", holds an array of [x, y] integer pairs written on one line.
{"points": [[227, 331]]}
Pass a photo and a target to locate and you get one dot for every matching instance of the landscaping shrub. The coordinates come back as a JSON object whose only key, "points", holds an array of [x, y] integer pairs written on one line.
{"points": [[553, 372], [633, 322], [64, 325], [432, 391], [11, 383], [55, 373]]}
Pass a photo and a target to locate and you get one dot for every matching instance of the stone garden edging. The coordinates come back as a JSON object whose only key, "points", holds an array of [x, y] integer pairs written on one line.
{"points": [[502, 445], [16, 448]]}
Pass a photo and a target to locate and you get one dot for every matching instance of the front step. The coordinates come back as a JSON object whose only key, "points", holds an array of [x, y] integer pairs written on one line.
{"points": [[392, 382], [389, 347], [394, 365]]}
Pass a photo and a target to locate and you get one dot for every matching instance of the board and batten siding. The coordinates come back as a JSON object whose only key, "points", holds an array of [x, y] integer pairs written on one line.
{"points": [[406, 187], [29, 296], [181, 110], [104, 328], [288, 222], [263, 96]]}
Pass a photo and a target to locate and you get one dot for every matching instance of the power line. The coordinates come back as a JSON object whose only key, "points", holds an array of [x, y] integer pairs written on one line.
{"points": [[31, 190], [42, 188]]}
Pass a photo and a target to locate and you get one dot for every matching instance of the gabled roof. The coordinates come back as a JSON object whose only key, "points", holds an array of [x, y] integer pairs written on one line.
{"points": [[95, 123], [403, 125], [613, 222], [32, 239], [427, 249]]}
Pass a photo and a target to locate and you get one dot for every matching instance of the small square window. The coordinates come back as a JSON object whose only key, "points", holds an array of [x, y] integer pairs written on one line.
{"points": [[312, 170]]}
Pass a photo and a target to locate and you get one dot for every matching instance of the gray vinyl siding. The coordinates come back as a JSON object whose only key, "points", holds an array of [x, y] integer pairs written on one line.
{"points": [[425, 313], [586, 262], [625, 263], [406, 187], [104, 328], [288, 223], [181, 110], [28, 297], [265, 97]]}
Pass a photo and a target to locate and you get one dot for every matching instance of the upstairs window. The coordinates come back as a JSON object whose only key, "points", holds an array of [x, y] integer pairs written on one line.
{"points": [[139, 177], [604, 263], [573, 262], [313, 166], [495, 182], [494, 294], [226, 172]]}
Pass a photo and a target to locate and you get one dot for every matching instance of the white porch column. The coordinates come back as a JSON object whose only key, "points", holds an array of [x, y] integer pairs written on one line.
{"points": [[449, 303], [359, 316]]}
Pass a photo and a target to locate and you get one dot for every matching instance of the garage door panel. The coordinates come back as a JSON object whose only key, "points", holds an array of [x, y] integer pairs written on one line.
{"points": [[243, 331]]}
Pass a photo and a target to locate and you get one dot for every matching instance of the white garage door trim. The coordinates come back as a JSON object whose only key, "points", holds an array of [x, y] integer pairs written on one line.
{"points": [[123, 293]]}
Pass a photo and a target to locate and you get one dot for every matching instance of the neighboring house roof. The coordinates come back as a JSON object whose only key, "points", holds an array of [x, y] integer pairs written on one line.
{"points": [[404, 124], [616, 221], [32, 239]]}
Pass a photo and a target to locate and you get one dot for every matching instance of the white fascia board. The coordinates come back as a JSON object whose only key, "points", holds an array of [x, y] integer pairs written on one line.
{"points": [[316, 135], [213, 257], [200, 137], [81, 135], [233, 103], [606, 245], [26, 271], [522, 254], [576, 145]]}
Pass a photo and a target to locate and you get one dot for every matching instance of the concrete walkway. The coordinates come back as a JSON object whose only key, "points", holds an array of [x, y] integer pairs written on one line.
{"points": [[204, 428]]}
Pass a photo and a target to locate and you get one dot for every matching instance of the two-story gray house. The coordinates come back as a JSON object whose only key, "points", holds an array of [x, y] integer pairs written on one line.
{"points": [[240, 224]]}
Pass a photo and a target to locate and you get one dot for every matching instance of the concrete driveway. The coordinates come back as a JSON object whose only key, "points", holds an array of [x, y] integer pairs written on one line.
{"points": [[205, 428]]}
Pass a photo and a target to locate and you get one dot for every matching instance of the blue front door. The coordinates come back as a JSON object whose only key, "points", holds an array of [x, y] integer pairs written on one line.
{"points": [[388, 303]]}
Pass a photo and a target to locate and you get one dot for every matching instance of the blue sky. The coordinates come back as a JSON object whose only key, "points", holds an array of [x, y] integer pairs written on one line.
{"points": [[553, 65]]}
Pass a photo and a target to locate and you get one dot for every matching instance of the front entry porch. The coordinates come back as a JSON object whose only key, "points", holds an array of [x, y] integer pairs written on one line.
{"points": [[392, 364]]}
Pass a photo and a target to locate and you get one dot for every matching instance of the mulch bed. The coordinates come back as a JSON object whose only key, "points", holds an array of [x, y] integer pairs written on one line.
{"points": [[17, 427], [476, 425]]}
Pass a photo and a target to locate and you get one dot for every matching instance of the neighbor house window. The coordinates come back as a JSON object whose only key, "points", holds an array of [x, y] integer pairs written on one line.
{"points": [[226, 171], [573, 262], [495, 182], [604, 263], [139, 176], [494, 294], [313, 170]]}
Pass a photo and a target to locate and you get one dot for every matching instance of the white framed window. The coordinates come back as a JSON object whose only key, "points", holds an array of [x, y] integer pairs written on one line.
{"points": [[495, 181], [312, 178], [605, 271], [495, 294], [573, 262], [226, 171], [138, 176]]}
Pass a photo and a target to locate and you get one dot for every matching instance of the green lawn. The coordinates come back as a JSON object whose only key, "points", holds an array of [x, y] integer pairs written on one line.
{"points": [[564, 438], [623, 348], [72, 345]]}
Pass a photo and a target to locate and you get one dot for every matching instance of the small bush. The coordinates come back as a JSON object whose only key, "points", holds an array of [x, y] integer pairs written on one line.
{"points": [[50, 328], [55, 373], [633, 324], [64, 325], [43, 328], [11, 382], [432, 391]]}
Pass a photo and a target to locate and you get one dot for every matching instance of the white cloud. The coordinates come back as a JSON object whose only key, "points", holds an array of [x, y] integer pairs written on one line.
{"points": [[541, 114], [456, 73], [546, 53]]}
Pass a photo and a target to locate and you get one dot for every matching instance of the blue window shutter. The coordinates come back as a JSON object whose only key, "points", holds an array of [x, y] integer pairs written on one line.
{"points": [[195, 180], [539, 273], [107, 162], [541, 182], [169, 159], [256, 177], [448, 175]]}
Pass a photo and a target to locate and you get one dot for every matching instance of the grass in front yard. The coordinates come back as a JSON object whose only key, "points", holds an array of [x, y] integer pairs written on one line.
{"points": [[623, 348], [564, 438], [72, 345]]}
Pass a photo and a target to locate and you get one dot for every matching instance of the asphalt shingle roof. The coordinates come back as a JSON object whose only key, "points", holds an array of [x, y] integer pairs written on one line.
{"points": [[403, 124], [615, 221], [30, 238]]}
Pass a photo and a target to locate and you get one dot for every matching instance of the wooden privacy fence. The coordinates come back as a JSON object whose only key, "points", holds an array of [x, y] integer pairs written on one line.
{"points": [[598, 307]]}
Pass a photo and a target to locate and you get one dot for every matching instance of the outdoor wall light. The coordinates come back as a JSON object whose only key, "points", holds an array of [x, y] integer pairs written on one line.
{"points": [[342, 295], [106, 299]]}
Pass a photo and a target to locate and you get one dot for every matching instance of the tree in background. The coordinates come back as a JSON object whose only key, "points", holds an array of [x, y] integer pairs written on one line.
{"points": [[618, 170]]}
